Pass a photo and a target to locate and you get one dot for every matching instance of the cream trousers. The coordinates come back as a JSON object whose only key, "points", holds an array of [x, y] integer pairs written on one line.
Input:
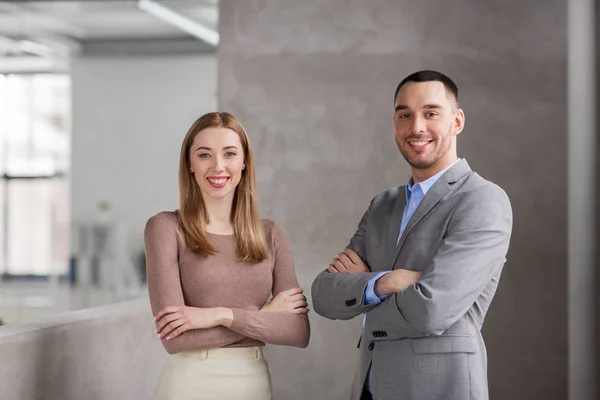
{"points": [[223, 374]]}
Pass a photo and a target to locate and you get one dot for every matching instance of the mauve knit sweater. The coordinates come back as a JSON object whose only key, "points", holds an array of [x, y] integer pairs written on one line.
{"points": [[179, 276]]}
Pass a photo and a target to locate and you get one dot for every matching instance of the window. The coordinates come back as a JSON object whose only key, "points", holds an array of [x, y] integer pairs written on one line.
{"points": [[34, 165]]}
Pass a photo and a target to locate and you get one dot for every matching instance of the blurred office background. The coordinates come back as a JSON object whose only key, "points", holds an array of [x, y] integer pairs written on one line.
{"points": [[96, 96]]}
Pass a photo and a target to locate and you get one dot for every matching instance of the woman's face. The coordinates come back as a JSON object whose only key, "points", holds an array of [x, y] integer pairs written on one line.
{"points": [[217, 162]]}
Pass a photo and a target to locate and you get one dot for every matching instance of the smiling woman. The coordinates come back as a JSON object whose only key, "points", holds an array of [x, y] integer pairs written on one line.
{"points": [[212, 266], [216, 170]]}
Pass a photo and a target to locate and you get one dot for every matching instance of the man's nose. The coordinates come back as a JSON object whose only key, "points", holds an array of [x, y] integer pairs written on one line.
{"points": [[418, 125]]}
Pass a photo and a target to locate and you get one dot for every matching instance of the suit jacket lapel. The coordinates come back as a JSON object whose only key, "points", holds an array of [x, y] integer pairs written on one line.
{"points": [[439, 189], [393, 225]]}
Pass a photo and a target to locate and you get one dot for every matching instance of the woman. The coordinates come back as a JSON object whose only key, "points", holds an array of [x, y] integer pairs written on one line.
{"points": [[212, 266]]}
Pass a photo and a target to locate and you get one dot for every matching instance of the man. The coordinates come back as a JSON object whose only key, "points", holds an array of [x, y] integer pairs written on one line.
{"points": [[425, 261]]}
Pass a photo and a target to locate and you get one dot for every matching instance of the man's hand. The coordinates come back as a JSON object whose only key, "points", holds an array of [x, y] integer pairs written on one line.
{"points": [[347, 262], [291, 300], [174, 320], [396, 281]]}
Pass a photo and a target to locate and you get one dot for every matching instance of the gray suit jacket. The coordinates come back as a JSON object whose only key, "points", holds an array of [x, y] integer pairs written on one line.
{"points": [[425, 342]]}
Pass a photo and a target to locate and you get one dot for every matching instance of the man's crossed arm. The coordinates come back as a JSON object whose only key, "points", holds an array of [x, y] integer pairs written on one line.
{"points": [[340, 292]]}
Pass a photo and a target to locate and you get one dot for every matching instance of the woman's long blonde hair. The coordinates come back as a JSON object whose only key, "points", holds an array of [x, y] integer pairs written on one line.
{"points": [[250, 241]]}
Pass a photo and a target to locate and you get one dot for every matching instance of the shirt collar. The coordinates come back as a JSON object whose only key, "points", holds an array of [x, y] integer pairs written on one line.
{"points": [[428, 183]]}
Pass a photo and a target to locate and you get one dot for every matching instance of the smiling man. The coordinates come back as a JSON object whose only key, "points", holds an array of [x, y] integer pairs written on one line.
{"points": [[425, 261]]}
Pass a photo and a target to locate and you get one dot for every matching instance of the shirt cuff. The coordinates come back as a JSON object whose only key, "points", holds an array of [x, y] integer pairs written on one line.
{"points": [[370, 296]]}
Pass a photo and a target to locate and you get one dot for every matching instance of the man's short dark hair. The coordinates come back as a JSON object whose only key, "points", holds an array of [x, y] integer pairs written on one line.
{"points": [[429, 76]]}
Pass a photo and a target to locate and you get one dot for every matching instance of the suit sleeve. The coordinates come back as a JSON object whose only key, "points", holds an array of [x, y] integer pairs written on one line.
{"points": [[472, 253], [342, 296]]}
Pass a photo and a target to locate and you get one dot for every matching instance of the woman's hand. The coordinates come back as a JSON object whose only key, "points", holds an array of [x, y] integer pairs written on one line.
{"points": [[172, 321], [291, 300]]}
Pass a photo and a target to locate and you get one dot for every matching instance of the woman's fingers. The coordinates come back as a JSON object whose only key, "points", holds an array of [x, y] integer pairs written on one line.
{"points": [[178, 331], [300, 303], [297, 297], [171, 327], [302, 310], [164, 311], [160, 324]]}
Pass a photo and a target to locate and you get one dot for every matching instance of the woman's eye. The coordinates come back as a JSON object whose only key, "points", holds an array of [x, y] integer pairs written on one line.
{"points": [[203, 155], [230, 154]]}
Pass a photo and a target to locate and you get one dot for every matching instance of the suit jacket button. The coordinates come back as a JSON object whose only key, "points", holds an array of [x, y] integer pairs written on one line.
{"points": [[371, 346]]}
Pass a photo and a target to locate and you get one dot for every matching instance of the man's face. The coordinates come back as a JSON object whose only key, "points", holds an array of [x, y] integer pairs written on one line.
{"points": [[426, 122]]}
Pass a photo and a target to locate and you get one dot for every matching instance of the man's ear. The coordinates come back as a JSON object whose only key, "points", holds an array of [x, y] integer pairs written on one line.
{"points": [[459, 121]]}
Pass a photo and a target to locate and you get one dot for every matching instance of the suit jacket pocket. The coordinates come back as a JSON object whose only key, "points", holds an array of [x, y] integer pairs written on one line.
{"points": [[445, 344]]}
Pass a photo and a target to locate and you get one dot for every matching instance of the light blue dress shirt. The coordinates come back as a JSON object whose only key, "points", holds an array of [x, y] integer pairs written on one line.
{"points": [[414, 195]]}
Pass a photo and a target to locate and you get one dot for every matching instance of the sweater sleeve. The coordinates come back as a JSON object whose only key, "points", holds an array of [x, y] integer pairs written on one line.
{"points": [[164, 286], [281, 328]]}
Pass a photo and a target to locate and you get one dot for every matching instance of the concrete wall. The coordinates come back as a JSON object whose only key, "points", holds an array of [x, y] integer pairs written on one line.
{"points": [[96, 354], [313, 84], [130, 115]]}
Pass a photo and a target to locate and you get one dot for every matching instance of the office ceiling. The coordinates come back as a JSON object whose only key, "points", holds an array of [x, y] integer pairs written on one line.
{"points": [[37, 32]]}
